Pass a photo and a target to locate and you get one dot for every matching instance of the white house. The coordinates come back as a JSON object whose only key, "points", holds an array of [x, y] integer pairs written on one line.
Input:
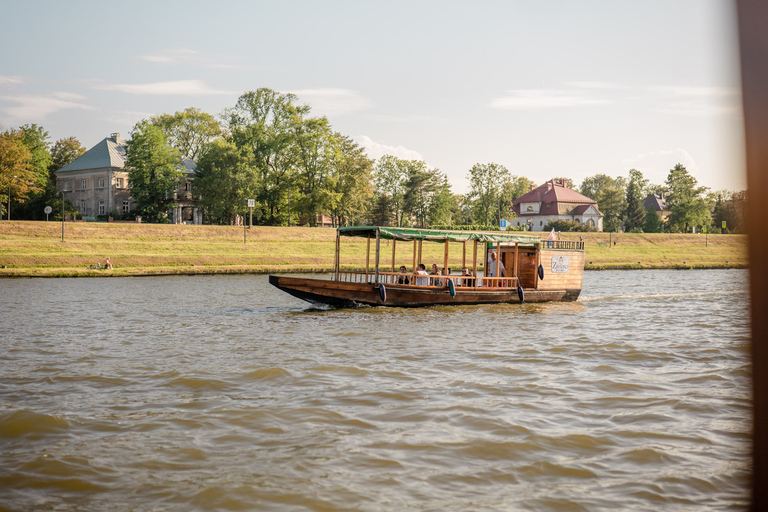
{"points": [[554, 201]]}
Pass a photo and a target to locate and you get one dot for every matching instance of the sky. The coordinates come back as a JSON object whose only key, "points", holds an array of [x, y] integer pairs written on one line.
{"points": [[547, 89]]}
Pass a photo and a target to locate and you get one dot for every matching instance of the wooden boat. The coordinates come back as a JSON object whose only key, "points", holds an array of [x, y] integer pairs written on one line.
{"points": [[536, 271]]}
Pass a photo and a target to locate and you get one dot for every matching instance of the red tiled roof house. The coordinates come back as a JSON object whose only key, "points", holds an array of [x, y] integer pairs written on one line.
{"points": [[554, 201]]}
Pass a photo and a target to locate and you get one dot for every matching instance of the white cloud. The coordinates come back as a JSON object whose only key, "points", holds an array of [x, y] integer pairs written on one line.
{"points": [[11, 80], [175, 87], [39, 106], [656, 165], [376, 150], [698, 101], [529, 99], [333, 102], [188, 57]]}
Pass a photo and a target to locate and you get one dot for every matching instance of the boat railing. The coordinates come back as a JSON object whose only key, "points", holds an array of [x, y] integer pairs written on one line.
{"points": [[562, 244], [432, 281]]}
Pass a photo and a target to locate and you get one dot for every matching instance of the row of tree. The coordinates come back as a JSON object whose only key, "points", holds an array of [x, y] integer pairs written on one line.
{"points": [[269, 148], [621, 201]]}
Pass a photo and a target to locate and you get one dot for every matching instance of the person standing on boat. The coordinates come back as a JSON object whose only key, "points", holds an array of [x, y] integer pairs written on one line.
{"points": [[422, 271], [492, 269]]}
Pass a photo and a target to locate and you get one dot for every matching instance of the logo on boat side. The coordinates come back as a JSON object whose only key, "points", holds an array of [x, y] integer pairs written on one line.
{"points": [[559, 264]]}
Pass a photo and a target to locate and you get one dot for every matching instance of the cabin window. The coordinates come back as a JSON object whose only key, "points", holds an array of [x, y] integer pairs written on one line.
{"points": [[101, 207], [101, 182], [126, 207]]}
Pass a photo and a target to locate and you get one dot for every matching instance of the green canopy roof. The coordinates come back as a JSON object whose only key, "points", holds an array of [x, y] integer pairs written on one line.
{"points": [[437, 235]]}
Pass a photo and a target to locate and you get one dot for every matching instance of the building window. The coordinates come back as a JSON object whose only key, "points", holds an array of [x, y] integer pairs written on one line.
{"points": [[65, 186], [83, 208], [529, 209], [541, 223], [101, 182], [82, 184], [126, 206], [119, 183], [101, 207]]}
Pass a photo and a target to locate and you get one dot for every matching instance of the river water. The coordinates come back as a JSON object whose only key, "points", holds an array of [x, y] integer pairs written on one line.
{"points": [[223, 393]]}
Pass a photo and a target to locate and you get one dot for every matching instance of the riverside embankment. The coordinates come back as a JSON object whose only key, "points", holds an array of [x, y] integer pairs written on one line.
{"points": [[36, 249]]}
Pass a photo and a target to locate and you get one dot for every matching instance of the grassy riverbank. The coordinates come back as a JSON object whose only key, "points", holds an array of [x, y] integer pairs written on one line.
{"points": [[35, 249]]}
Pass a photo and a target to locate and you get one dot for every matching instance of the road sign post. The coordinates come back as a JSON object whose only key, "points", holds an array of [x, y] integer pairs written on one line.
{"points": [[47, 210]]}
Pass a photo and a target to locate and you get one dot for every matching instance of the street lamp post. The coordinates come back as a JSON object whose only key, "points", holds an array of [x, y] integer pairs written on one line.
{"points": [[9, 197]]}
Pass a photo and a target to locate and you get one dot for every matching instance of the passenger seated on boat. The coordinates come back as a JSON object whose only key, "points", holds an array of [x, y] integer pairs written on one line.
{"points": [[435, 272], [422, 271], [466, 278], [444, 280], [404, 278]]}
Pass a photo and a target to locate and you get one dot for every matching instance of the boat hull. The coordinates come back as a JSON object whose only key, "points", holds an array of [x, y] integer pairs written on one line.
{"points": [[344, 294]]}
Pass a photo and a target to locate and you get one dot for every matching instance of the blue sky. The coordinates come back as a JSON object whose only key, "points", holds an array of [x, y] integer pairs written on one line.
{"points": [[550, 88]]}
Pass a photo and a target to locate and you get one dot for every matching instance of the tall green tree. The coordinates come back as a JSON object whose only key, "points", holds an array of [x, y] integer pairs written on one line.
{"points": [[264, 121], [486, 182], [688, 208], [635, 213], [35, 138], [226, 176], [390, 175], [652, 222], [352, 181], [154, 170], [610, 195], [317, 153], [189, 130], [65, 151], [729, 207], [427, 195]]}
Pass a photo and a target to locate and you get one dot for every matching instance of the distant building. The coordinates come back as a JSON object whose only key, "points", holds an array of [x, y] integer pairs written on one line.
{"points": [[96, 183], [659, 205], [554, 201]]}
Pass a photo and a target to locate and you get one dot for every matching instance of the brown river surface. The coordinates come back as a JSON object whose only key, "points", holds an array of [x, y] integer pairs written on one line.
{"points": [[223, 393]]}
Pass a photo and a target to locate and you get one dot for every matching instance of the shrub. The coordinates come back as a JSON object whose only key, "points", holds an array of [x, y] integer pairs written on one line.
{"points": [[567, 225]]}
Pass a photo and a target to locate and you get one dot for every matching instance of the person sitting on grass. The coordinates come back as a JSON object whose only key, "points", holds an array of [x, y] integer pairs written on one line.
{"points": [[108, 264]]}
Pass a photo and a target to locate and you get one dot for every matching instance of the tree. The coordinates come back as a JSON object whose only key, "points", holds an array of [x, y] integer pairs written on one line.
{"points": [[687, 206], [188, 130], [652, 222], [486, 182], [16, 169], [390, 175], [225, 177], [610, 196], [352, 171], [316, 149], [64, 152], [427, 195], [635, 213], [264, 121], [154, 169], [35, 138], [729, 207], [516, 186]]}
